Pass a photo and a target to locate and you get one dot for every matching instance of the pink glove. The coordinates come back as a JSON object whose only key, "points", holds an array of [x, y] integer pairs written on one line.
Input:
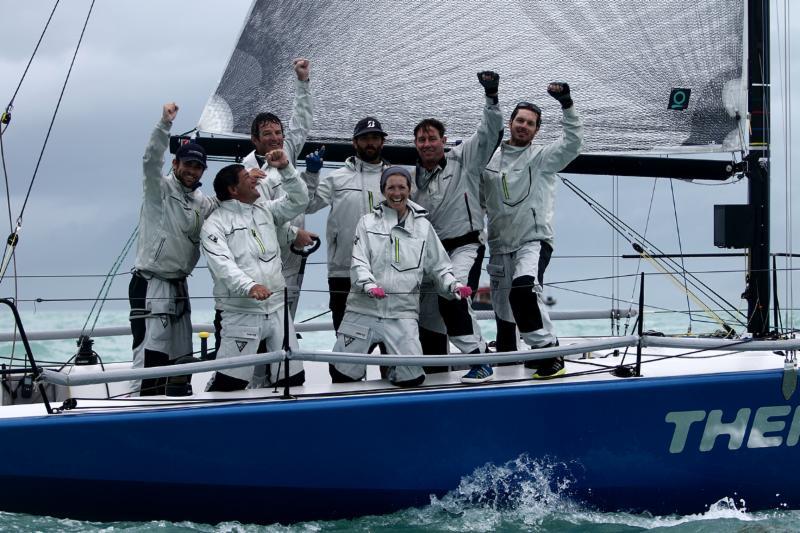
{"points": [[376, 292], [462, 291]]}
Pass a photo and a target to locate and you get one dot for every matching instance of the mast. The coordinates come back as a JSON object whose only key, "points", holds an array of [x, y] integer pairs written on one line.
{"points": [[757, 291]]}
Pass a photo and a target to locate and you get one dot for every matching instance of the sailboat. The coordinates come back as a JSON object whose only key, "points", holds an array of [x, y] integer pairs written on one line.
{"points": [[640, 422]]}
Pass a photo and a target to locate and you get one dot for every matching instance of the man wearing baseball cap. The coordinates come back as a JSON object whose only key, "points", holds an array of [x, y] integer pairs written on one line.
{"points": [[173, 210], [351, 191]]}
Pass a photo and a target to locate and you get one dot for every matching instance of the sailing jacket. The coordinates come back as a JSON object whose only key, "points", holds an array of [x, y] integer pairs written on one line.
{"points": [[293, 140], [352, 192], [242, 247], [519, 186], [171, 216], [450, 192], [396, 257]]}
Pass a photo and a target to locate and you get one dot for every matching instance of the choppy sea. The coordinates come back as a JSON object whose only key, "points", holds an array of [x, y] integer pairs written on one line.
{"points": [[541, 502]]}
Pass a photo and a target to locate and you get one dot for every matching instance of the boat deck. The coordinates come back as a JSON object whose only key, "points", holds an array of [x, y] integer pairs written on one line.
{"points": [[594, 367]]}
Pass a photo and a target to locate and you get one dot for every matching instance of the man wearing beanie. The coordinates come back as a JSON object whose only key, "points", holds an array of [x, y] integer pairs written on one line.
{"points": [[173, 210], [351, 192], [448, 187], [519, 186], [394, 248]]}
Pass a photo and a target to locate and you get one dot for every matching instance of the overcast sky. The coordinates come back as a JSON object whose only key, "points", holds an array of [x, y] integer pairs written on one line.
{"points": [[138, 55]]}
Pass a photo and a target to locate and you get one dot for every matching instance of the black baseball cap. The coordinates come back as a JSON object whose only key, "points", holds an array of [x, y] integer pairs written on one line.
{"points": [[191, 152], [368, 125]]}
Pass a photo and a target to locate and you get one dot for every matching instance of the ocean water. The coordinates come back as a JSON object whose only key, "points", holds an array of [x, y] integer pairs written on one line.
{"points": [[535, 497]]}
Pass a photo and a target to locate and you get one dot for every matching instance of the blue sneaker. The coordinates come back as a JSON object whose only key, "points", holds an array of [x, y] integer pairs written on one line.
{"points": [[478, 374]]}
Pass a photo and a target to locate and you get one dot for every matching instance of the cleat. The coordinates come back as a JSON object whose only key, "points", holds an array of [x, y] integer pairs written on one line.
{"points": [[478, 374], [550, 368]]}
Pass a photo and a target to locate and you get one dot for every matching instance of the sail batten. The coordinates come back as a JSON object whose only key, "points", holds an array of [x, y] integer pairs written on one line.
{"points": [[404, 61]]}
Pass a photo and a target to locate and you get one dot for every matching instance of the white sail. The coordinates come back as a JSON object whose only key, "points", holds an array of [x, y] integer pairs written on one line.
{"points": [[622, 60]]}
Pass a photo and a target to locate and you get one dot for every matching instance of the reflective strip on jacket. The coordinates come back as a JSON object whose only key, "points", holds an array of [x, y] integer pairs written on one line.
{"points": [[450, 192], [171, 215], [396, 258], [242, 247], [293, 140], [352, 192], [519, 186]]}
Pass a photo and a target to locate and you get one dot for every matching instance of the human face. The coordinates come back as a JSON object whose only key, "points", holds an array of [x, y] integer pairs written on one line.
{"points": [[523, 127], [368, 147], [245, 189], [430, 146], [396, 192], [270, 137], [187, 172]]}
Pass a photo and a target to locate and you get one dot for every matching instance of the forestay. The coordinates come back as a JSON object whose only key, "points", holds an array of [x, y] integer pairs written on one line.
{"points": [[403, 61]]}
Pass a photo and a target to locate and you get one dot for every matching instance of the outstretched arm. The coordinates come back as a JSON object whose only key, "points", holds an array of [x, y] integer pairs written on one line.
{"points": [[302, 111], [478, 149], [153, 160], [560, 153]]}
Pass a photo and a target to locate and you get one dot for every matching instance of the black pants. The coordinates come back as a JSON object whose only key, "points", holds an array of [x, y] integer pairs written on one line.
{"points": [[507, 331]]}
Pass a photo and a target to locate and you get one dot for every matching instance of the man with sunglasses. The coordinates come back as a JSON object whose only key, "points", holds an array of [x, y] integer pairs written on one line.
{"points": [[519, 186]]}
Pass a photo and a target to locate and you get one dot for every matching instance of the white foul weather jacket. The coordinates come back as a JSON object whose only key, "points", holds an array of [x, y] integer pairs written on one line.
{"points": [[242, 247], [352, 192], [519, 186], [450, 192], [171, 216], [396, 258], [293, 140]]}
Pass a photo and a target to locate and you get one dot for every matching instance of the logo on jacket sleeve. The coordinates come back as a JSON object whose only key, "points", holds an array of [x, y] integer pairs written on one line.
{"points": [[213, 238]]}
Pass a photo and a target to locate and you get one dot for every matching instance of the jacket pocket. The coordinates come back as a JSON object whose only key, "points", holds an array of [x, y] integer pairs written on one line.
{"points": [[406, 253]]}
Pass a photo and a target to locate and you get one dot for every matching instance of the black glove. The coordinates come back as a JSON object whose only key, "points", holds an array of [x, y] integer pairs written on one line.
{"points": [[490, 81], [562, 96]]}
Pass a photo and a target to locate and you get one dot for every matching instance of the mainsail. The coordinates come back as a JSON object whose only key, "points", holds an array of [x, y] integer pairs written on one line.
{"points": [[404, 61]]}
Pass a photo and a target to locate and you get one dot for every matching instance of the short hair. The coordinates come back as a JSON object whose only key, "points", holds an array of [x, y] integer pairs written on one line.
{"points": [[429, 123], [530, 107], [261, 119], [226, 177]]}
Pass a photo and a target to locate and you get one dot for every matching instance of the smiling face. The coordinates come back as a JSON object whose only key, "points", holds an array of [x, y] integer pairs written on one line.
{"points": [[245, 189], [396, 191], [187, 172], [430, 146], [368, 147], [270, 137], [524, 127]]}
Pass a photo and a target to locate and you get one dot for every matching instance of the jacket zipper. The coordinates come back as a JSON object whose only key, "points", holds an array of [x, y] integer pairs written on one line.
{"points": [[469, 213], [371, 202], [258, 240], [160, 248], [396, 250], [534, 217]]}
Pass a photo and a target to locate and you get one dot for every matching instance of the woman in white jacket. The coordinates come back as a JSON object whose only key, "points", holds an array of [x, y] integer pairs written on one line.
{"points": [[394, 248]]}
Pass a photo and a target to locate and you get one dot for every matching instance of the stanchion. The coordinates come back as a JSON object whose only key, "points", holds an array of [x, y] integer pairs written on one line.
{"points": [[641, 328], [286, 346]]}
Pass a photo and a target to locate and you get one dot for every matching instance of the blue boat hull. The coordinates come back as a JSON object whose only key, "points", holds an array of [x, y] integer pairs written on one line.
{"points": [[349, 456]]}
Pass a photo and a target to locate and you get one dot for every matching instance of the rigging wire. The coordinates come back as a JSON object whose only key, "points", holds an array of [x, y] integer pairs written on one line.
{"points": [[102, 295], [14, 238], [634, 238], [680, 250], [5, 119]]}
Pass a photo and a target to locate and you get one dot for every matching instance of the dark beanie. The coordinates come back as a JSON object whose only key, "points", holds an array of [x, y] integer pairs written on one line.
{"points": [[391, 171]]}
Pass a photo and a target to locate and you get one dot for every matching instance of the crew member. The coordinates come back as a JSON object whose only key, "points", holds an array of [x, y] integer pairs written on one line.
{"points": [[351, 191], [241, 242], [519, 185], [448, 188], [173, 210], [394, 248], [267, 134]]}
